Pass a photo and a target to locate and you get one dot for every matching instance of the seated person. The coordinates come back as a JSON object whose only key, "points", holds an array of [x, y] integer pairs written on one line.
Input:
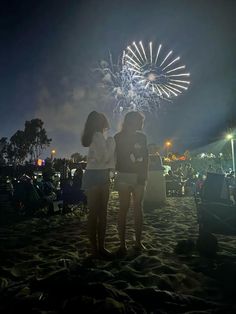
{"points": [[77, 178], [199, 183], [48, 192], [173, 183], [26, 197], [78, 194], [72, 193], [215, 189]]}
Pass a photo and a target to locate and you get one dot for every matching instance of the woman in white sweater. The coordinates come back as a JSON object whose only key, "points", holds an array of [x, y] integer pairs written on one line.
{"points": [[96, 178]]}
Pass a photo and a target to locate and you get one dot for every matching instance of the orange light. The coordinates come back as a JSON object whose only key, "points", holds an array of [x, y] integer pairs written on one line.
{"points": [[39, 162], [168, 144]]}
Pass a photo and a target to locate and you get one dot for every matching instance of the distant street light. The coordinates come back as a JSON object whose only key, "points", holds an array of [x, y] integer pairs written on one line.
{"points": [[231, 138], [53, 152], [168, 144]]}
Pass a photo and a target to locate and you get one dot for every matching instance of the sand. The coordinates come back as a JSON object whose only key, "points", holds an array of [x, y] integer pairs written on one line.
{"points": [[46, 267]]}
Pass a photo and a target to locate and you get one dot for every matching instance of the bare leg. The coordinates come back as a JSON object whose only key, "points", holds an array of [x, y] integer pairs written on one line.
{"points": [[102, 216], [124, 198], [138, 194], [93, 206]]}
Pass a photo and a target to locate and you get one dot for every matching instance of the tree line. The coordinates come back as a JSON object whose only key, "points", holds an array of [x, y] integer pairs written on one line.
{"points": [[28, 144], [25, 145]]}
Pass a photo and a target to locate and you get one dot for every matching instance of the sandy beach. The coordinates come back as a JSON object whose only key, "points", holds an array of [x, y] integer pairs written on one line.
{"points": [[46, 267]]}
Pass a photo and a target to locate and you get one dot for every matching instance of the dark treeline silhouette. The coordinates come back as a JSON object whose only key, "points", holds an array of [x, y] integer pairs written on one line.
{"points": [[26, 144]]}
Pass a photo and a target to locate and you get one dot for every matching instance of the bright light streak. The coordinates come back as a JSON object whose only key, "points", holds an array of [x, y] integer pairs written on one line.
{"points": [[175, 89], [131, 59], [158, 51], [167, 56], [182, 74], [136, 47], [164, 91], [141, 44], [176, 59], [159, 91], [147, 85], [176, 69], [123, 56], [177, 85], [137, 76], [141, 81], [134, 65], [171, 91], [134, 54], [180, 81], [150, 47]]}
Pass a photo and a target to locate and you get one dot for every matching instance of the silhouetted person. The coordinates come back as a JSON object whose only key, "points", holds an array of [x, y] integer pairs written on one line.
{"points": [[132, 167], [96, 179]]}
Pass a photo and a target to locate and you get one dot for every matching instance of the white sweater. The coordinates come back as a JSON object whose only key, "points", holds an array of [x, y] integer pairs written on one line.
{"points": [[101, 154]]}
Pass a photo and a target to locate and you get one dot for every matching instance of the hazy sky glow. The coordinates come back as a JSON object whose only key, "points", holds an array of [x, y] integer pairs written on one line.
{"points": [[49, 49]]}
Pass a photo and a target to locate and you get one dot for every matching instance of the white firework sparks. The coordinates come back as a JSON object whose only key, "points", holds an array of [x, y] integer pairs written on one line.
{"points": [[159, 74], [143, 79], [122, 84]]}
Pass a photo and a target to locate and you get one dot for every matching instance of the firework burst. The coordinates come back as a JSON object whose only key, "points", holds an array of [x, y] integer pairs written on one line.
{"points": [[143, 78], [158, 73], [122, 84]]}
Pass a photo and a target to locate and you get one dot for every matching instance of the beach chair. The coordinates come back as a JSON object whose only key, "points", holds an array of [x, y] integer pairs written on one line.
{"points": [[173, 188], [215, 211]]}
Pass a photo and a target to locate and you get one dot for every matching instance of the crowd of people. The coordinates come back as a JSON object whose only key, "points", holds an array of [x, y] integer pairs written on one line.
{"points": [[30, 192], [185, 180]]}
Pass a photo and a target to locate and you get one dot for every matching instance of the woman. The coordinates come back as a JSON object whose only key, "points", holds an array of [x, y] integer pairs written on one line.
{"points": [[132, 167], [96, 178]]}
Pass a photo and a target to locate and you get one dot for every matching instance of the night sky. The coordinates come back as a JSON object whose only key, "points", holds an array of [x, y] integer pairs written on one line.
{"points": [[50, 48]]}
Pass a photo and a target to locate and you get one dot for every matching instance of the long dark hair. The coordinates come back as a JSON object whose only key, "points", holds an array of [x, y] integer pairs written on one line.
{"points": [[133, 121], [96, 122]]}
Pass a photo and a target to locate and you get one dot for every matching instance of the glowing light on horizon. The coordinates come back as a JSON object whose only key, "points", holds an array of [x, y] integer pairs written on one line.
{"points": [[229, 136]]}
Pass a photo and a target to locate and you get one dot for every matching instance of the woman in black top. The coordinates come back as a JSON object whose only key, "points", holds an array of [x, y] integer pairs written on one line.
{"points": [[132, 167]]}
